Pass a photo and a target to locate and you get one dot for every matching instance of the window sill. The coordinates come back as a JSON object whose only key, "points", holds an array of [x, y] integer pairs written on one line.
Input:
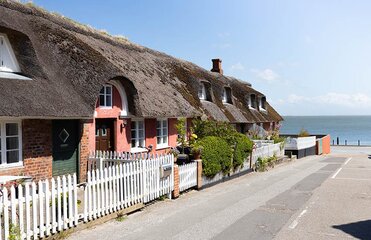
{"points": [[138, 150], [105, 108], [12, 165], [160, 147]]}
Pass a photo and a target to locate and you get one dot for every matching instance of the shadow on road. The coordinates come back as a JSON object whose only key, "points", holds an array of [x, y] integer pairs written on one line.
{"points": [[359, 230]]}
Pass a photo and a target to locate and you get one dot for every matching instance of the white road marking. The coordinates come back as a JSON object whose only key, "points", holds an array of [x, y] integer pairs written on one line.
{"points": [[360, 179], [347, 161], [336, 173], [296, 221]]}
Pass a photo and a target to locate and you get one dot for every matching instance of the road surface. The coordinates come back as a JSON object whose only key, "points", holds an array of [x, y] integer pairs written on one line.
{"points": [[319, 197]]}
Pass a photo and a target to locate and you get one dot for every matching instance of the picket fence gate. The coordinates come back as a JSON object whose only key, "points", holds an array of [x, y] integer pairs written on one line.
{"points": [[187, 176], [37, 210]]}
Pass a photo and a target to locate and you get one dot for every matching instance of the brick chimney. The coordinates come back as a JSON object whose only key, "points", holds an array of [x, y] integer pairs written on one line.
{"points": [[217, 65]]}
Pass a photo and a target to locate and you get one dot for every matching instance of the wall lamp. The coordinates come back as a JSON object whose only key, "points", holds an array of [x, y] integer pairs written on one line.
{"points": [[124, 123]]}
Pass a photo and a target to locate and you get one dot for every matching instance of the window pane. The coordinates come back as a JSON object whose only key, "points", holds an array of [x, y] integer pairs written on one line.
{"points": [[12, 129], [140, 125], [200, 95], [164, 139], [164, 132], [158, 132], [141, 143], [11, 143], [108, 90], [158, 140], [133, 143], [141, 134], [108, 101], [133, 125], [133, 134], [158, 124], [102, 91], [12, 157], [101, 100]]}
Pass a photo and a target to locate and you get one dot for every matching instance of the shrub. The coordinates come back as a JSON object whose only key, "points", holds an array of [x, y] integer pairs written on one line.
{"points": [[303, 133], [242, 149], [261, 164], [216, 155], [207, 128], [182, 131]]}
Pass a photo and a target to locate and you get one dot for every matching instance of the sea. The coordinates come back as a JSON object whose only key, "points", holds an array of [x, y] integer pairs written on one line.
{"points": [[347, 128]]}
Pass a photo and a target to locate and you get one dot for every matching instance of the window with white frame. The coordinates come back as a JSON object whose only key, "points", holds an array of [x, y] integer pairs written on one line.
{"points": [[202, 92], [252, 101], [10, 143], [162, 133], [105, 96], [137, 134], [8, 62], [227, 95], [262, 104]]}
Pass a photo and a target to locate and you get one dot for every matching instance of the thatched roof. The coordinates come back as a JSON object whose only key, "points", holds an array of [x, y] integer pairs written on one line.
{"points": [[68, 64]]}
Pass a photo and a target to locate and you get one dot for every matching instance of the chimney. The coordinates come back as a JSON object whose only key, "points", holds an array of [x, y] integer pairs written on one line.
{"points": [[217, 65]]}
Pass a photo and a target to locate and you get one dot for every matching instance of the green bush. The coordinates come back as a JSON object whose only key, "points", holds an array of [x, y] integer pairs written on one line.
{"points": [[261, 164], [242, 149], [216, 155], [207, 128], [303, 133]]}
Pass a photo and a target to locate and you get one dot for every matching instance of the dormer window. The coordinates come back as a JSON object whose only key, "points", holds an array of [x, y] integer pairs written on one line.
{"points": [[227, 95], [252, 101], [262, 103], [105, 96], [8, 62], [202, 92]]}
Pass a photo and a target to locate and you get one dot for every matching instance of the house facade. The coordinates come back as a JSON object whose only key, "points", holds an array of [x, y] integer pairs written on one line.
{"points": [[67, 89]]}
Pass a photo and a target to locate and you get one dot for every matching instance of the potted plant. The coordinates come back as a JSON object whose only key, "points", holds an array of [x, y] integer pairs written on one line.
{"points": [[182, 140]]}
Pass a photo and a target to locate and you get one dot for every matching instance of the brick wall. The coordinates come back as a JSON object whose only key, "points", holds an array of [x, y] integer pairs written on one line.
{"points": [[176, 191], [84, 148], [37, 150]]}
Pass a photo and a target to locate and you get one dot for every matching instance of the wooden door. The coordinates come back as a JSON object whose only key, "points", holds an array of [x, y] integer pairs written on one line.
{"points": [[104, 134], [65, 147]]}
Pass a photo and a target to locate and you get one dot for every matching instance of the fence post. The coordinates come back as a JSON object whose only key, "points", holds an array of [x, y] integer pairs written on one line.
{"points": [[199, 174], [176, 190]]}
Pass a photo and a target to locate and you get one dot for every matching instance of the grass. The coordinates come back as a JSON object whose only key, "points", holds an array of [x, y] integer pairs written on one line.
{"points": [[121, 217]]}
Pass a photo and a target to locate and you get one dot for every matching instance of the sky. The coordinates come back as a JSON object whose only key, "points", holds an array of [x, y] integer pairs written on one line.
{"points": [[308, 57]]}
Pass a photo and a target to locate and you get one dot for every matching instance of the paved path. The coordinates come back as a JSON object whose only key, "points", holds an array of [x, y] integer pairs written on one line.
{"points": [[311, 198]]}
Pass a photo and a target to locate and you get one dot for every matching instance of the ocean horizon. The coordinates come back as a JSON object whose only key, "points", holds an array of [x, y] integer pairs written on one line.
{"points": [[345, 127]]}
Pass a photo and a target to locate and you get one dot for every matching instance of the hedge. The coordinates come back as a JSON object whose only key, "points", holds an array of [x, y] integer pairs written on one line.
{"points": [[216, 155], [242, 150]]}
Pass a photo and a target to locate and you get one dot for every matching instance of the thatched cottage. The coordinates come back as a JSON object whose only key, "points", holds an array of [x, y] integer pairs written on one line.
{"points": [[67, 89]]}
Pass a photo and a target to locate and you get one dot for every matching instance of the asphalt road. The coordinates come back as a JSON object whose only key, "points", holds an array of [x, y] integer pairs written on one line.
{"points": [[312, 198]]}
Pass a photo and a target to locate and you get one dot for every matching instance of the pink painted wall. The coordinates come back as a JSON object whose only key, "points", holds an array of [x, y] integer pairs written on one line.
{"points": [[121, 135]]}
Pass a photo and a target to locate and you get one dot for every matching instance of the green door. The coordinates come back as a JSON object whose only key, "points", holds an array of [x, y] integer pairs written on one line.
{"points": [[65, 147]]}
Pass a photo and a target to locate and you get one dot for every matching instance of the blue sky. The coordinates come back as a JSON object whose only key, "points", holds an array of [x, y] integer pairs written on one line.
{"points": [[308, 57]]}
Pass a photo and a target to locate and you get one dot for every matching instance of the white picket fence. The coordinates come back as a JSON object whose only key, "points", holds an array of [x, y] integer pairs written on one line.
{"points": [[268, 151], [39, 210], [187, 176], [104, 159]]}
